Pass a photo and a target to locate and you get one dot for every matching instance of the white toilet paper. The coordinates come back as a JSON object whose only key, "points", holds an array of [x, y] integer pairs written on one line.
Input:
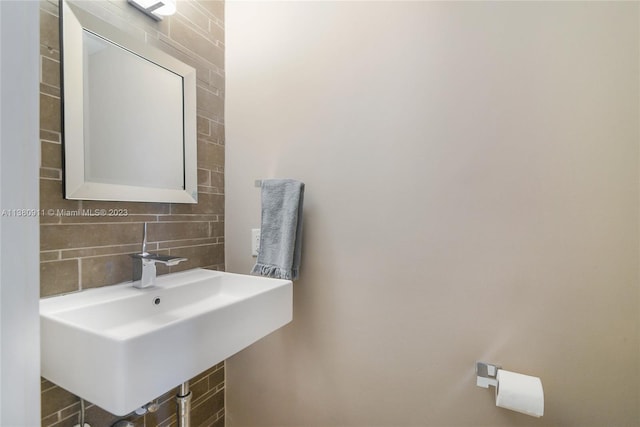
{"points": [[521, 393]]}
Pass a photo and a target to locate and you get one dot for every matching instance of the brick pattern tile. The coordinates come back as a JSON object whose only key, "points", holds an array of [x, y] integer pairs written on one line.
{"points": [[80, 251]]}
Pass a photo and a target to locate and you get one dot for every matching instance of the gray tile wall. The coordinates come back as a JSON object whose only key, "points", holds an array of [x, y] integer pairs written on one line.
{"points": [[81, 252]]}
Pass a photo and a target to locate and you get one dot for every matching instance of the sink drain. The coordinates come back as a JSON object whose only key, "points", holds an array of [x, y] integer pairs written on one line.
{"points": [[156, 301]]}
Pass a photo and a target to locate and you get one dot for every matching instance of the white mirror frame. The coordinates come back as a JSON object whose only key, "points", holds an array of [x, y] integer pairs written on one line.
{"points": [[74, 21]]}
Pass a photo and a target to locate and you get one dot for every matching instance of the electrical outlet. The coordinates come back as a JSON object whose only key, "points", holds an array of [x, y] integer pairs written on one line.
{"points": [[255, 241]]}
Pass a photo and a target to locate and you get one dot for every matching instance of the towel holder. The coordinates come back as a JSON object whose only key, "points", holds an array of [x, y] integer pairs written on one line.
{"points": [[487, 374], [257, 183]]}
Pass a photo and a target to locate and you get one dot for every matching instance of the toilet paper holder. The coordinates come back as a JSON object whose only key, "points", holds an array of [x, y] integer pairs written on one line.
{"points": [[516, 392], [487, 374]]}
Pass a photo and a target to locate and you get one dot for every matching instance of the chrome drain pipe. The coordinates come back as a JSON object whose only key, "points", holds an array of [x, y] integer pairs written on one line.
{"points": [[183, 399]]}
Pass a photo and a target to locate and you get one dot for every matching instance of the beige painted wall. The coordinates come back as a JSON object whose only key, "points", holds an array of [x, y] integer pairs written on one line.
{"points": [[472, 193]]}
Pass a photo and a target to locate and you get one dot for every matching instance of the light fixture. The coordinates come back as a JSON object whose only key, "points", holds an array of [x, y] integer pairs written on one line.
{"points": [[156, 9]]}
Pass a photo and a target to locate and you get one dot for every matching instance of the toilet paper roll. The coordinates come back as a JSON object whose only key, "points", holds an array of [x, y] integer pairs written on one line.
{"points": [[521, 393]]}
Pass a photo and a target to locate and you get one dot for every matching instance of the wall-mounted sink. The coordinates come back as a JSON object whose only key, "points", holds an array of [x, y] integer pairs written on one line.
{"points": [[120, 347]]}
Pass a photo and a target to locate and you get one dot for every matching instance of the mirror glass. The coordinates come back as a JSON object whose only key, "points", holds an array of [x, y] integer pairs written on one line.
{"points": [[129, 116]]}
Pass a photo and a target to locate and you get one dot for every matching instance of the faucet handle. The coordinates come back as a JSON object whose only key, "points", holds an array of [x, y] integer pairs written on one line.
{"points": [[144, 238]]}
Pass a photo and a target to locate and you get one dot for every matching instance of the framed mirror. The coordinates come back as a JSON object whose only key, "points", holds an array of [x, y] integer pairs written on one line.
{"points": [[129, 116]]}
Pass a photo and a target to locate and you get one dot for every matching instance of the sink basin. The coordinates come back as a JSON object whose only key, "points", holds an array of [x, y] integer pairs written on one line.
{"points": [[120, 347]]}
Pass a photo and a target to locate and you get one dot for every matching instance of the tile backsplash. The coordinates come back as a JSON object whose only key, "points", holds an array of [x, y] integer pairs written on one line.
{"points": [[81, 251]]}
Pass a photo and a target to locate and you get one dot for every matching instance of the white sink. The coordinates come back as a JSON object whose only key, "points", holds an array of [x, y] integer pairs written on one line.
{"points": [[120, 347]]}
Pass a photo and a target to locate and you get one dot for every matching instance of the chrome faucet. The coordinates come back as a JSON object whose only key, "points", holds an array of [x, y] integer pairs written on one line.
{"points": [[144, 264]]}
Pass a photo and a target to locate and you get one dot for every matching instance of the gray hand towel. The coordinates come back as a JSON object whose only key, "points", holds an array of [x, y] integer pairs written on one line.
{"points": [[281, 229]]}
